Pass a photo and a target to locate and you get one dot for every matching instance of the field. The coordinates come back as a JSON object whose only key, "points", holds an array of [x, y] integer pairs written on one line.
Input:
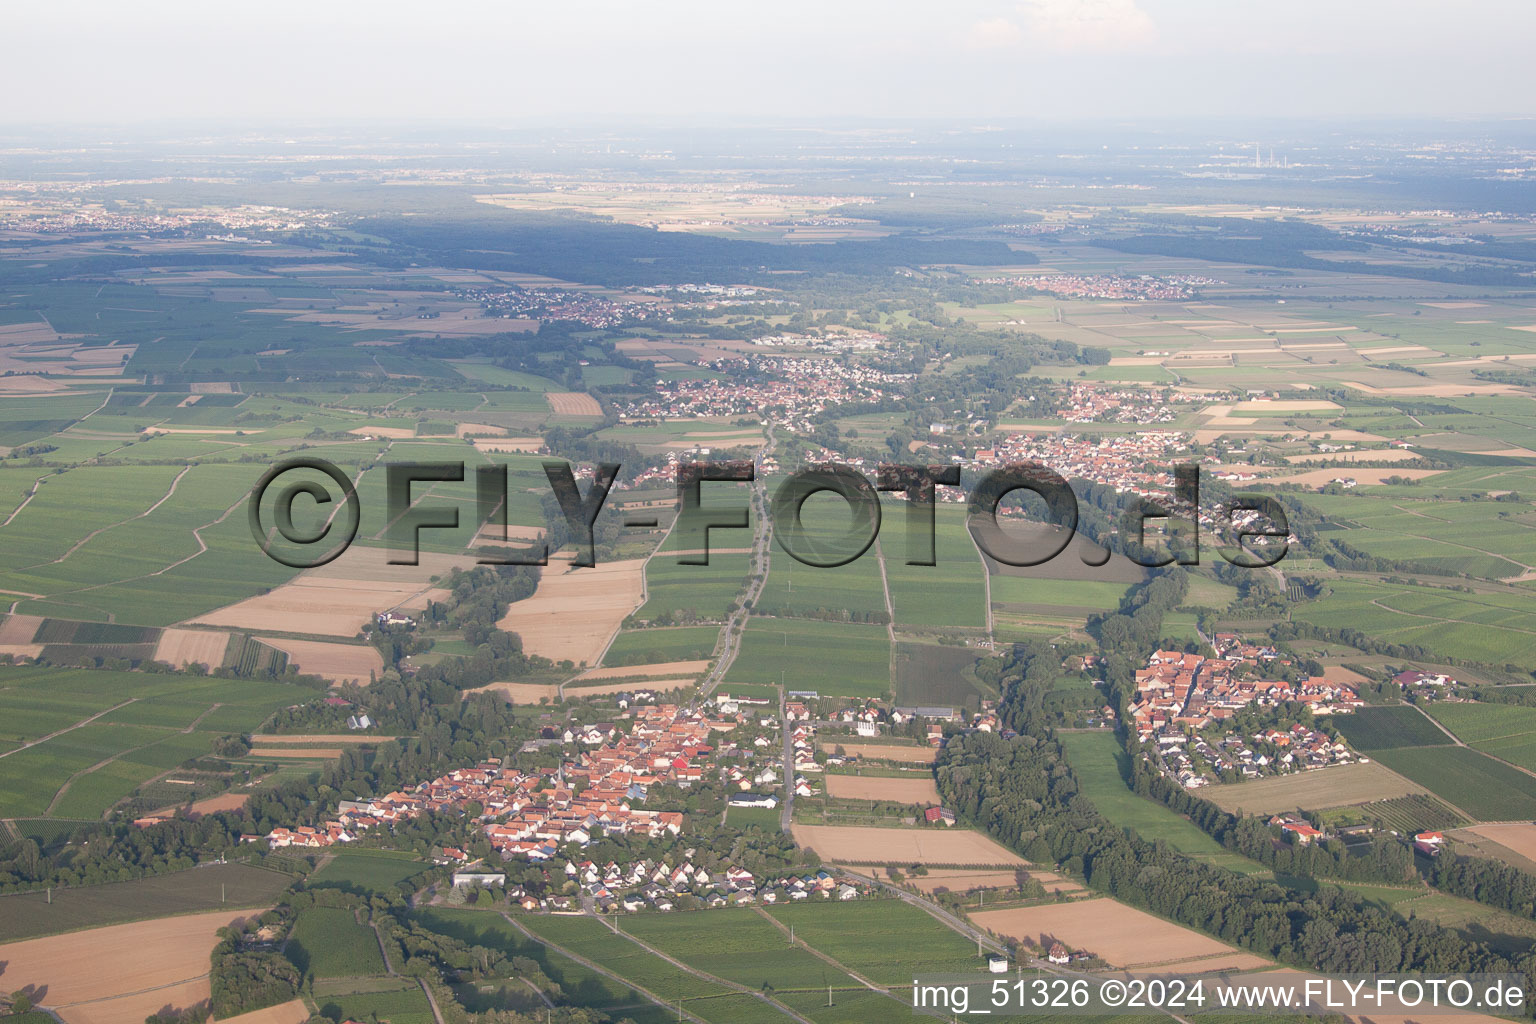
{"points": [[695, 592], [1095, 759], [1507, 731], [575, 612], [917, 790], [913, 754], [935, 674], [884, 940], [795, 589], [649, 646], [83, 743], [1122, 935], [1518, 837], [964, 881], [1380, 728], [328, 942], [95, 969], [1335, 786], [180, 647], [357, 663], [365, 871], [1481, 787], [1478, 627], [406, 1004], [337, 599], [955, 847], [294, 1012], [951, 594], [828, 657], [739, 945], [27, 915]]}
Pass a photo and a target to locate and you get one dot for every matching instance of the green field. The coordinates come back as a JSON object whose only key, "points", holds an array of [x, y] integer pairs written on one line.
{"points": [[406, 1004], [1507, 731], [137, 732], [886, 941], [1478, 627], [1382, 728], [1095, 758], [25, 915], [1466, 779], [952, 593], [657, 646], [830, 657], [936, 674], [328, 942], [698, 592], [738, 945], [364, 871]]}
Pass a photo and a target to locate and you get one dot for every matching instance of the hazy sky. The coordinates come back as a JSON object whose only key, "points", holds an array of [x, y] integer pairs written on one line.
{"points": [[504, 62]]}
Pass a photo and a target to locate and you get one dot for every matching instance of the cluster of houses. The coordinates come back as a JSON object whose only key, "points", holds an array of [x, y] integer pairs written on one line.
{"points": [[1101, 403], [1268, 752], [657, 885], [1123, 287], [597, 793], [1181, 695], [786, 391]]}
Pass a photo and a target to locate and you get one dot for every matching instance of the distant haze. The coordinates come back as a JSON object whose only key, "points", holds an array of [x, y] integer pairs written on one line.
{"points": [[92, 61]]}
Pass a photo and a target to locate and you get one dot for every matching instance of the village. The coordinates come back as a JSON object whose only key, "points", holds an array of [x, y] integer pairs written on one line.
{"points": [[1187, 707], [597, 793], [786, 391]]}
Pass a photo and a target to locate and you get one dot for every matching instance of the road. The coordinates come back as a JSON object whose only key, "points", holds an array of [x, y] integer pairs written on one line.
{"points": [[787, 810], [757, 570]]}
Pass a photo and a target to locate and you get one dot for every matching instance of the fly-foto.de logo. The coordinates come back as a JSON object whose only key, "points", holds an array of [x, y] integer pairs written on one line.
{"points": [[1254, 528]]}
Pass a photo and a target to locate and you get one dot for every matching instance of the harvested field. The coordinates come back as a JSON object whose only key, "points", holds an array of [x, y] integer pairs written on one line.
{"points": [[1517, 836], [1205, 964], [465, 429], [337, 599], [509, 444], [965, 881], [573, 403], [1373, 475], [168, 955], [520, 693], [183, 647], [294, 1012], [854, 844], [1369, 455], [1122, 935], [336, 662], [575, 612], [883, 751], [295, 753], [389, 433], [19, 629], [137, 1005], [871, 787], [666, 668], [211, 805], [1336, 786]]}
